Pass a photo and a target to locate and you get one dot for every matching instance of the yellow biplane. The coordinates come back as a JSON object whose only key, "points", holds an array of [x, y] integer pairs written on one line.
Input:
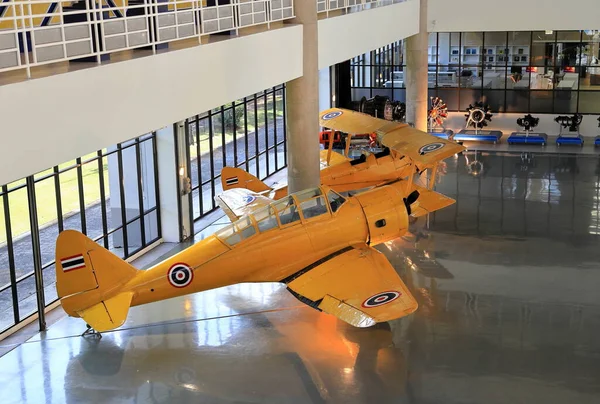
{"points": [[317, 242], [408, 152]]}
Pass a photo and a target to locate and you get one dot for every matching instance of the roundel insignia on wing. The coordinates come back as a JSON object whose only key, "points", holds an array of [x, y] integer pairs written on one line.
{"points": [[380, 299], [431, 147], [180, 275], [332, 115]]}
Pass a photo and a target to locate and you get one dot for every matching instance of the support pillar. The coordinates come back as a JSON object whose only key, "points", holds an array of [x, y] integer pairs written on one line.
{"points": [[415, 76], [303, 106]]}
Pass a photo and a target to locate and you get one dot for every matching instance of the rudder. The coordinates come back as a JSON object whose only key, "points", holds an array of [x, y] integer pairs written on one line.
{"points": [[89, 281], [232, 177]]}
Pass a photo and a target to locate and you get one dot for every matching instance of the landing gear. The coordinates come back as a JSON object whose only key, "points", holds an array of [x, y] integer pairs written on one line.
{"points": [[91, 333]]}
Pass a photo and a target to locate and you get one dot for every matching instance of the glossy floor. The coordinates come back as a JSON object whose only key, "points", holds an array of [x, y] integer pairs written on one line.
{"points": [[507, 281]]}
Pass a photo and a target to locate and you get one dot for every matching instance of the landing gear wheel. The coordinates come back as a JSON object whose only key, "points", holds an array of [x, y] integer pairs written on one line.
{"points": [[91, 333]]}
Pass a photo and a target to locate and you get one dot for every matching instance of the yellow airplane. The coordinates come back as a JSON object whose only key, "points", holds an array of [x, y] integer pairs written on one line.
{"points": [[317, 242], [407, 152]]}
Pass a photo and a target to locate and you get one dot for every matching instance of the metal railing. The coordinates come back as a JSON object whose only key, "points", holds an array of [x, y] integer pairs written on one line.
{"points": [[34, 33], [352, 5]]}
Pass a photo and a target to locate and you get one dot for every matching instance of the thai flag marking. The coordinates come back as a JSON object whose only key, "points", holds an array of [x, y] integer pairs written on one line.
{"points": [[72, 263], [231, 181]]}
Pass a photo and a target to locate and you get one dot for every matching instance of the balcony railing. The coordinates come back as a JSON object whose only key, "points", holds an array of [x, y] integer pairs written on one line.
{"points": [[34, 33], [351, 5]]}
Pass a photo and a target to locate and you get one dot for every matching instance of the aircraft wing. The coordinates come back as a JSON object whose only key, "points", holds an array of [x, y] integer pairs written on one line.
{"points": [[237, 202], [423, 148], [429, 201], [335, 159], [357, 284]]}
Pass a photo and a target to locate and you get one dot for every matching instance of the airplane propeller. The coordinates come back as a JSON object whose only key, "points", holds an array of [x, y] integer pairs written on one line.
{"points": [[410, 199]]}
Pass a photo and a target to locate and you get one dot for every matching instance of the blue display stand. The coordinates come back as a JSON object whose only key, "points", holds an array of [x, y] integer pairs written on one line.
{"points": [[576, 140], [527, 138], [442, 133], [481, 136], [597, 141]]}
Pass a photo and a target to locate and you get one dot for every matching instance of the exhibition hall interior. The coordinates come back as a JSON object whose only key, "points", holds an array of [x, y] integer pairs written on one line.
{"points": [[299, 201]]}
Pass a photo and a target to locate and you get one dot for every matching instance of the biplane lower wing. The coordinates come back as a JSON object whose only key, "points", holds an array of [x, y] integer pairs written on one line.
{"points": [[357, 284], [423, 148], [429, 201], [238, 202]]}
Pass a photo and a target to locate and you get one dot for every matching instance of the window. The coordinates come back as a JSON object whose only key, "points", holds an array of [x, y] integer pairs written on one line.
{"points": [[237, 231], [314, 207], [265, 218], [248, 133], [521, 72], [287, 211], [335, 201], [110, 195]]}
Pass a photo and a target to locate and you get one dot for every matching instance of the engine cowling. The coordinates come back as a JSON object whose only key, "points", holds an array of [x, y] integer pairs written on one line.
{"points": [[385, 212]]}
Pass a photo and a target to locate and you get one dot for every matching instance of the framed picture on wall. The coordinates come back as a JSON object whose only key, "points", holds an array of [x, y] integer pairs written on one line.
{"points": [[523, 58], [516, 59], [455, 51], [520, 51]]}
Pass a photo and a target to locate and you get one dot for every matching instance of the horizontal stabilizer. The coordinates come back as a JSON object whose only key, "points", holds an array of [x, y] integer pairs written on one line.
{"points": [[429, 201], [238, 202], [108, 314]]}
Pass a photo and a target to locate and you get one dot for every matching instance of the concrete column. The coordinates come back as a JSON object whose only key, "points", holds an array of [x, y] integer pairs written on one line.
{"points": [[303, 106], [415, 76]]}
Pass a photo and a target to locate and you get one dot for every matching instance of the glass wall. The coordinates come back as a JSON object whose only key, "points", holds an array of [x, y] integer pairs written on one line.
{"points": [[529, 71], [247, 133], [110, 195]]}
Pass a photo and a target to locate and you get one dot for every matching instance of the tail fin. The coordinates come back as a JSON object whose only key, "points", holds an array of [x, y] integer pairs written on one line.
{"points": [[232, 177], [90, 279]]}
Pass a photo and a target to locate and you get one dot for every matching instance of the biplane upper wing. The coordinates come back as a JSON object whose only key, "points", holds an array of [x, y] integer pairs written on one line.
{"points": [[237, 202], [423, 148], [357, 284]]}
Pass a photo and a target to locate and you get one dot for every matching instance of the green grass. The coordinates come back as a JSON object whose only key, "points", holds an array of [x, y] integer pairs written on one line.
{"points": [[46, 199]]}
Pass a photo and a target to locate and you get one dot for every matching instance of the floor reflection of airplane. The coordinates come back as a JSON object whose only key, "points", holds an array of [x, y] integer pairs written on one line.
{"points": [[314, 358], [317, 242], [407, 152]]}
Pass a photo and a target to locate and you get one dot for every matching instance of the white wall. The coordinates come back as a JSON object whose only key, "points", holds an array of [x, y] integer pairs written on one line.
{"points": [[512, 15], [324, 89], [507, 123], [47, 121], [344, 37]]}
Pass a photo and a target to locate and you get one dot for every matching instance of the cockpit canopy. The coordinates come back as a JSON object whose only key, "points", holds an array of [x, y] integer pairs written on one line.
{"points": [[290, 210]]}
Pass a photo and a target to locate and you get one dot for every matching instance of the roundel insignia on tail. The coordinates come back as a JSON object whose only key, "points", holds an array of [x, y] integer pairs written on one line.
{"points": [[180, 275], [248, 199], [431, 147], [331, 115], [380, 299]]}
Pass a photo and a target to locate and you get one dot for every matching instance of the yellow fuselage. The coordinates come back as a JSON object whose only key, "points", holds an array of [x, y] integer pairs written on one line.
{"points": [[278, 253]]}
